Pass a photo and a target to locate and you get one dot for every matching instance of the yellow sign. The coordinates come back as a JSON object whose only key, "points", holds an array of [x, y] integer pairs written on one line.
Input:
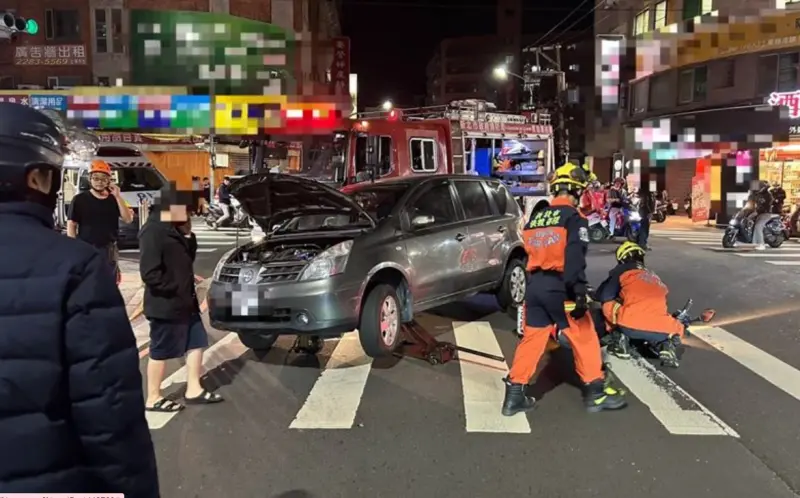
{"points": [[247, 114], [733, 36]]}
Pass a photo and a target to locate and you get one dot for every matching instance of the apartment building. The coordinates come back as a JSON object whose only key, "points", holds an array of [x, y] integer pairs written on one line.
{"points": [[702, 71], [89, 43]]}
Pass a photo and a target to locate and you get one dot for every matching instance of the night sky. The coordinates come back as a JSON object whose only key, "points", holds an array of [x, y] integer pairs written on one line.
{"points": [[393, 40]]}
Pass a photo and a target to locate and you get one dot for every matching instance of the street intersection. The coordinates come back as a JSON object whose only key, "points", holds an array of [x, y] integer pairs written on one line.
{"points": [[339, 424]]}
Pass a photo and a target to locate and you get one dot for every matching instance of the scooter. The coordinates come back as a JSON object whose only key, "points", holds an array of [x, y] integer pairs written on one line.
{"points": [[237, 220], [740, 229], [660, 214]]}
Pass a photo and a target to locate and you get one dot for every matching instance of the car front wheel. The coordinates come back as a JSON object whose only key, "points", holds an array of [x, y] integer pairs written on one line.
{"points": [[511, 293], [258, 342], [379, 329]]}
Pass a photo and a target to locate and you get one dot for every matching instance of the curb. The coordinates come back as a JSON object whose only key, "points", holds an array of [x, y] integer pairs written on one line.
{"points": [[136, 313]]}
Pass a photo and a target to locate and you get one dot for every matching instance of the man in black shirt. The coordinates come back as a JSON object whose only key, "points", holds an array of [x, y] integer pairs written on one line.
{"points": [[94, 215]]}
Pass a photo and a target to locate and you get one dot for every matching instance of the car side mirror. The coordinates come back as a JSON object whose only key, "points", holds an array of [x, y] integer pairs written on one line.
{"points": [[707, 315], [422, 221]]}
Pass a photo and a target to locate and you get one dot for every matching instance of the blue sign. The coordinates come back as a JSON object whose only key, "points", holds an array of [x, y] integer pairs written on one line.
{"points": [[58, 102]]}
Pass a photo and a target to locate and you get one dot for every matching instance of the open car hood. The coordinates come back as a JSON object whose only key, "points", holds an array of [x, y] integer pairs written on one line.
{"points": [[272, 198]]}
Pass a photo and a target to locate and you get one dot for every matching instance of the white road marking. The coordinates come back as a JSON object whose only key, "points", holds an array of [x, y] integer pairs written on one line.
{"points": [[779, 374], [784, 263], [227, 349], [335, 397], [661, 395], [199, 249], [766, 254], [482, 381]]}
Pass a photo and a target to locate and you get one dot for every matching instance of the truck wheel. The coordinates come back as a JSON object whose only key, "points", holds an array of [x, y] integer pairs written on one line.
{"points": [[259, 343], [512, 290], [380, 324]]}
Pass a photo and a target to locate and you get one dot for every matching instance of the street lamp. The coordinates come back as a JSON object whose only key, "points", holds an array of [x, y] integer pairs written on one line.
{"points": [[502, 73], [387, 105]]}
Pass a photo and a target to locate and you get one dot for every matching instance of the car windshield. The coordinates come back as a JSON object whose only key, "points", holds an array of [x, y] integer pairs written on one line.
{"points": [[130, 179], [378, 200]]}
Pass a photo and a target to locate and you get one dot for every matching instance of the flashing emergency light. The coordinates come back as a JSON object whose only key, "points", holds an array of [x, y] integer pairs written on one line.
{"points": [[394, 115]]}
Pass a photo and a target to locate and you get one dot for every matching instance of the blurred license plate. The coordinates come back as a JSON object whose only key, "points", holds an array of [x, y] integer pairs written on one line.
{"points": [[244, 302]]}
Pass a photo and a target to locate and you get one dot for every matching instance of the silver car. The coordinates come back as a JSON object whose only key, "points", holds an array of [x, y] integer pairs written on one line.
{"points": [[368, 258]]}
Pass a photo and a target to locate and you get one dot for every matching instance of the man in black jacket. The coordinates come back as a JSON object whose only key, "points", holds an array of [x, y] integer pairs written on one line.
{"points": [[71, 407], [167, 250], [762, 200], [647, 206]]}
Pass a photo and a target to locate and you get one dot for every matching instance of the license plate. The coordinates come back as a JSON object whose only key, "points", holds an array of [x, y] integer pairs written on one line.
{"points": [[244, 302]]}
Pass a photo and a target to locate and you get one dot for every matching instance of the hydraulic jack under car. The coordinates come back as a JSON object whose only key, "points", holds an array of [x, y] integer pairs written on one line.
{"points": [[419, 343]]}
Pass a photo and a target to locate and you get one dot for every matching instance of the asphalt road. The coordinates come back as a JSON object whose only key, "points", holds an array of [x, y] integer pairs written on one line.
{"points": [[723, 425]]}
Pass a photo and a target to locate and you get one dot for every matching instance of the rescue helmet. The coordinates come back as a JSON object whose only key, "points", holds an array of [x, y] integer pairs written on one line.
{"points": [[99, 166], [29, 140], [568, 178], [629, 251]]}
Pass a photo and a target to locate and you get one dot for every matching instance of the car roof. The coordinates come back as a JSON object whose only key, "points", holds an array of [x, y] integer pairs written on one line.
{"points": [[417, 179]]}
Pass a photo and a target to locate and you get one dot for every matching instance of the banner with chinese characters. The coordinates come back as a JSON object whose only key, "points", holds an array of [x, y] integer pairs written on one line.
{"points": [[701, 196], [340, 67], [50, 55], [57, 102]]}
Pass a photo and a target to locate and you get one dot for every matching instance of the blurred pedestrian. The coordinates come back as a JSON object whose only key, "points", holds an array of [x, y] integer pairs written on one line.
{"points": [[168, 248], [71, 406]]}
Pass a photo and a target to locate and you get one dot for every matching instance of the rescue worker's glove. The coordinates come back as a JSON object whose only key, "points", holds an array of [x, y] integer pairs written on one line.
{"points": [[581, 307]]}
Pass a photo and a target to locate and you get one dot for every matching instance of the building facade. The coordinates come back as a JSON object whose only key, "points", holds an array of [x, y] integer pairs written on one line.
{"points": [[718, 86], [88, 43], [461, 68]]}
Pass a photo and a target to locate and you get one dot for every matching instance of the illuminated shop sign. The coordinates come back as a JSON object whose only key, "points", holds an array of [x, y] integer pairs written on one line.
{"points": [[789, 100]]}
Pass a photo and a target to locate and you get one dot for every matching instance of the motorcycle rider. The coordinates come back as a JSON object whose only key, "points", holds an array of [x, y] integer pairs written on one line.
{"points": [[72, 411], [556, 239], [634, 303], [617, 197], [762, 201], [224, 194]]}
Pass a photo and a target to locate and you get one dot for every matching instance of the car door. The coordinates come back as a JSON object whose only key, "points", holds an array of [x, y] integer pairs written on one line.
{"points": [[487, 233], [436, 238]]}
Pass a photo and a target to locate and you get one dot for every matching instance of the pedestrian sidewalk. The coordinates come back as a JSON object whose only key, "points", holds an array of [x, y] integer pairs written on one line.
{"points": [[131, 288]]}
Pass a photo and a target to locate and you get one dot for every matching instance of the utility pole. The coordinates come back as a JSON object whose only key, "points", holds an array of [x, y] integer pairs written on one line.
{"points": [[547, 64]]}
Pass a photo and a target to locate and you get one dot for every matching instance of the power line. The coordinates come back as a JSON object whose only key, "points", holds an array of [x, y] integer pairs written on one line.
{"points": [[560, 23], [587, 14], [450, 6]]}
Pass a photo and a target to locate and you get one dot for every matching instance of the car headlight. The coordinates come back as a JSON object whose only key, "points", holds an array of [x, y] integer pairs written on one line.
{"points": [[221, 263], [328, 263], [635, 217]]}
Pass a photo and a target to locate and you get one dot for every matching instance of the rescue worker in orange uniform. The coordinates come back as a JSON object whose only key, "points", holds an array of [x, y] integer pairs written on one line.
{"points": [[556, 239], [634, 303]]}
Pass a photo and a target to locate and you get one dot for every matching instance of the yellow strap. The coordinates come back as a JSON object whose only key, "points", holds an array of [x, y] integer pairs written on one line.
{"points": [[569, 306], [614, 311]]}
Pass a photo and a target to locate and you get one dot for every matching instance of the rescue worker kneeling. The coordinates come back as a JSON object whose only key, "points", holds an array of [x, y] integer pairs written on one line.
{"points": [[634, 303], [556, 240]]}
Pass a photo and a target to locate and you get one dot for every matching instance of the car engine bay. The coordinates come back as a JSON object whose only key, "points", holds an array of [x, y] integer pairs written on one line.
{"points": [[278, 253]]}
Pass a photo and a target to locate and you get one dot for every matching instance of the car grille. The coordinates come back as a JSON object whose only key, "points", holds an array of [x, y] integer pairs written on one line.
{"points": [[285, 271]]}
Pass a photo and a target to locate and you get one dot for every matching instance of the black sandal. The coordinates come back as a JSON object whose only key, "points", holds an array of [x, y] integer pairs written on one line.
{"points": [[164, 405], [205, 398]]}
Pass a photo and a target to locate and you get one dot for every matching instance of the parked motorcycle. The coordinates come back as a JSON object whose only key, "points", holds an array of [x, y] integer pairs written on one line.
{"points": [[660, 214], [740, 229]]}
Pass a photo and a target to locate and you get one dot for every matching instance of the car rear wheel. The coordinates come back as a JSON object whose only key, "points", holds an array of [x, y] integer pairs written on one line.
{"points": [[511, 293], [380, 324], [258, 342]]}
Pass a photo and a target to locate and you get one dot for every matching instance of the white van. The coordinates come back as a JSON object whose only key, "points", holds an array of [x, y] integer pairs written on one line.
{"points": [[137, 178]]}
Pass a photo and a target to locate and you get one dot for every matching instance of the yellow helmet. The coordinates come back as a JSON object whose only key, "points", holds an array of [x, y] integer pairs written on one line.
{"points": [[570, 178], [628, 249]]}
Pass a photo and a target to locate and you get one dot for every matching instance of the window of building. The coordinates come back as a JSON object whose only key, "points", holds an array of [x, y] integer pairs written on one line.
{"points": [[778, 73], [695, 8], [685, 82], [638, 99], [700, 86], [641, 24], [692, 85], [660, 15], [727, 72], [61, 24], [100, 31], [116, 31], [661, 96], [423, 155]]}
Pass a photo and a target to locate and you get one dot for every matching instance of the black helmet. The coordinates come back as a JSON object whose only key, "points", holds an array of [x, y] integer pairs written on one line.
{"points": [[28, 140]]}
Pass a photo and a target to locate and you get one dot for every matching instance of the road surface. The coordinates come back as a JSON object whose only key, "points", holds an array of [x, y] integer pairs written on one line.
{"points": [[338, 425]]}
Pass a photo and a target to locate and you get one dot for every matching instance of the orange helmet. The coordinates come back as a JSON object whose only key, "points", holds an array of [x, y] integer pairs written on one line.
{"points": [[100, 167]]}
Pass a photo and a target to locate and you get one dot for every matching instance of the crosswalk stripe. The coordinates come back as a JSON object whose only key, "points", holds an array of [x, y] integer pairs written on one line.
{"points": [[765, 254], [784, 263], [779, 374], [482, 381], [335, 397], [661, 395]]}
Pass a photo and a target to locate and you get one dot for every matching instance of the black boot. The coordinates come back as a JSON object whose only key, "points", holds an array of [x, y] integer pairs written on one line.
{"points": [[598, 397], [670, 352], [619, 345], [516, 400]]}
